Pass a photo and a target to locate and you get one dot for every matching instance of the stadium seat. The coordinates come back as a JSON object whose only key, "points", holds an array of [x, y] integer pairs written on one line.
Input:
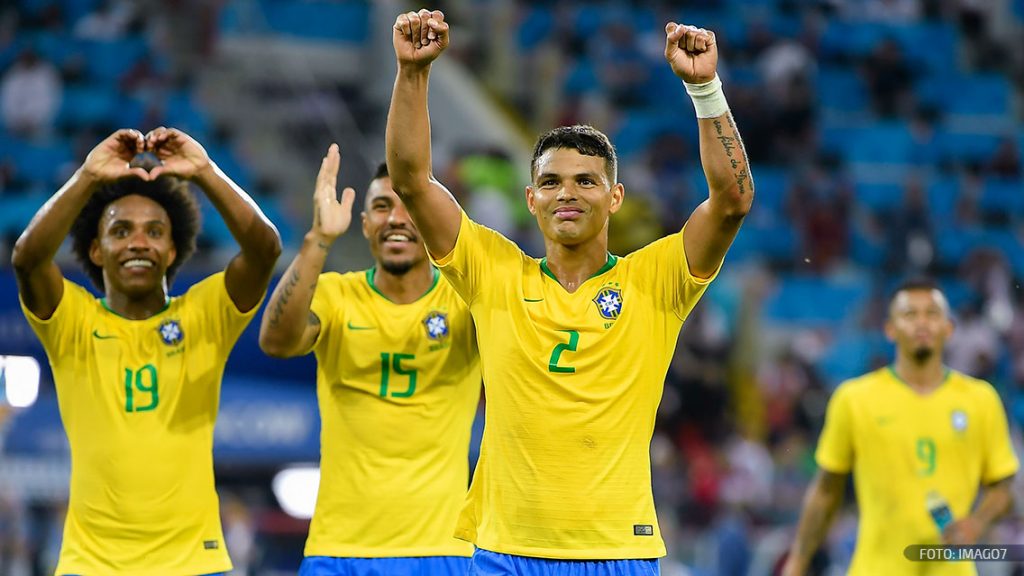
{"points": [[976, 94], [835, 301]]}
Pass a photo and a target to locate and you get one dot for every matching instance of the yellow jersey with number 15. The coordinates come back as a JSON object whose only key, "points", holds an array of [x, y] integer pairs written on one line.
{"points": [[398, 386], [900, 446], [139, 399], [573, 385]]}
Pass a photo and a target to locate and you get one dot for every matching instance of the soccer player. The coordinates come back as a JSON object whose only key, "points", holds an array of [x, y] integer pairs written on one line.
{"points": [[919, 439], [574, 346], [138, 372], [398, 381]]}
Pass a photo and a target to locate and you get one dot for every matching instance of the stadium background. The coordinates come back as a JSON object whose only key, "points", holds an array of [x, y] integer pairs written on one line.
{"points": [[885, 137]]}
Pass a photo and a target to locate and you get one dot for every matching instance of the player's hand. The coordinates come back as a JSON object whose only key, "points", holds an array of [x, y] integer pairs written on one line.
{"points": [[178, 152], [110, 159], [419, 37], [331, 217], [692, 52], [965, 532]]}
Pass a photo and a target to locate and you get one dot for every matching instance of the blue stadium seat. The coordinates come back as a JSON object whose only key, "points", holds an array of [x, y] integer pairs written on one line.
{"points": [[943, 194], [850, 355], [581, 78], [38, 163], [880, 143], [960, 147], [879, 197], [975, 94], [534, 27], [866, 250], [83, 106], [841, 89], [815, 302], [108, 61], [1002, 196], [344, 21]]}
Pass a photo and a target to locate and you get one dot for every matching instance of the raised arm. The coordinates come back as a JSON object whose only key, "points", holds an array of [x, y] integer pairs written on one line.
{"points": [[248, 273], [824, 496], [419, 38], [289, 327], [693, 54], [40, 282]]}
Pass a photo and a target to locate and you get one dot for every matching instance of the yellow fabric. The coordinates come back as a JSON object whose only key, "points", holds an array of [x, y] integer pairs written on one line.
{"points": [[901, 445], [139, 399], [565, 470], [397, 406]]}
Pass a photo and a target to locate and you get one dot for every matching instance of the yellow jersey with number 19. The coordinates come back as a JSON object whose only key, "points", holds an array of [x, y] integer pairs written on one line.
{"points": [[398, 386], [139, 399], [901, 445], [573, 385]]}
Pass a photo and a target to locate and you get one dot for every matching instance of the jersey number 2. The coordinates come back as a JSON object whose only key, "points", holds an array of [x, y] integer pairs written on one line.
{"points": [[556, 353]]}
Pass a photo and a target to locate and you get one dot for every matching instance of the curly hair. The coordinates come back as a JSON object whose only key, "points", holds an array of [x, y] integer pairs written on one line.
{"points": [[169, 192], [586, 140]]}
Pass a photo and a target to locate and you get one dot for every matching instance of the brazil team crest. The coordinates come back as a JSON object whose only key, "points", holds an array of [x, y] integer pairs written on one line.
{"points": [[959, 420], [170, 332], [436, 324], [609, 302]]}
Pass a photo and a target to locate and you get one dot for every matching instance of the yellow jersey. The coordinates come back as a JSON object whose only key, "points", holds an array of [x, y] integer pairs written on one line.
{"points": [[139, 399], [901, 445], [573, 383], [398, 387]]}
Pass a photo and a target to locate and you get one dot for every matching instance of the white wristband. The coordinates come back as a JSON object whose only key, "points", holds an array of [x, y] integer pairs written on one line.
{"points": [[708, 98]]}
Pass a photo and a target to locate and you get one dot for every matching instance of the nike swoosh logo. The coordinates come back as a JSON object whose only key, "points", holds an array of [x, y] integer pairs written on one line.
{"points": [[96, 334], [352, 327], [533, 299]]}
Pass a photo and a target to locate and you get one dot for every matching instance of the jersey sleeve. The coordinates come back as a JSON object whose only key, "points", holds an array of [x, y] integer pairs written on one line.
{"points": [[1000, 460], [835, 447], [58, 331], [480, 254], [327, 307], [664, 265], [220, 315]]}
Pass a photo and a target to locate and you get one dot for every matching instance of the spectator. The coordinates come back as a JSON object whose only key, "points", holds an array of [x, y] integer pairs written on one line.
{"points": [[30, 95]]}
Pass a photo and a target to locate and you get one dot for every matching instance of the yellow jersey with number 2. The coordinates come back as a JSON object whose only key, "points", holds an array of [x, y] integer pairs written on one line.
{"points": [[573, 384]]}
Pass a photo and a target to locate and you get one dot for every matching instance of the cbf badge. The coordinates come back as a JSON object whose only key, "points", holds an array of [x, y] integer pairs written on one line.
{"points": [[170, 332], [609, 302], [959, 421], [436, 324]]}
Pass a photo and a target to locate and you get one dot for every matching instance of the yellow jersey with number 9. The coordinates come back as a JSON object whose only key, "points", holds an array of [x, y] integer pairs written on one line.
{"points": [[573, 384], [900, 446], [139, 400], [398, 386]]}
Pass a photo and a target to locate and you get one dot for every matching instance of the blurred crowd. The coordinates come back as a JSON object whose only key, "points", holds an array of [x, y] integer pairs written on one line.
{"points": [[876, 155]]}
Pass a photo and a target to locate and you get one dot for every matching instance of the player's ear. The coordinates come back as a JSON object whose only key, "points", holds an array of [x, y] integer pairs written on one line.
{"points": [[890, 331], [529, 200], [95, 255], [618, 195], [366, 229]]}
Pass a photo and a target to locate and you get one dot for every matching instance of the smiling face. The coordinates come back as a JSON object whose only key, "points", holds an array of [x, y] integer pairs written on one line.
{"points": [[919, 323], [133, 246], [395, 242], [572, 196]]}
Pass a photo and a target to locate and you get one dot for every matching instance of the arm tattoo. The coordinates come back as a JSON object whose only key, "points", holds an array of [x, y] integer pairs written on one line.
{"points": [[282, 301]]}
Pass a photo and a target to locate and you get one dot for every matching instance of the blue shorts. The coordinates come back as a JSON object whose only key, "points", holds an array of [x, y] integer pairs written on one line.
{"points": [[487, 563], [414, 566]]}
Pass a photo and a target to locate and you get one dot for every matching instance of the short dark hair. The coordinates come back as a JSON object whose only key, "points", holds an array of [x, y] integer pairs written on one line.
{"points": [[171, 193], [586, 140], [915, 283], [382, 172]]}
